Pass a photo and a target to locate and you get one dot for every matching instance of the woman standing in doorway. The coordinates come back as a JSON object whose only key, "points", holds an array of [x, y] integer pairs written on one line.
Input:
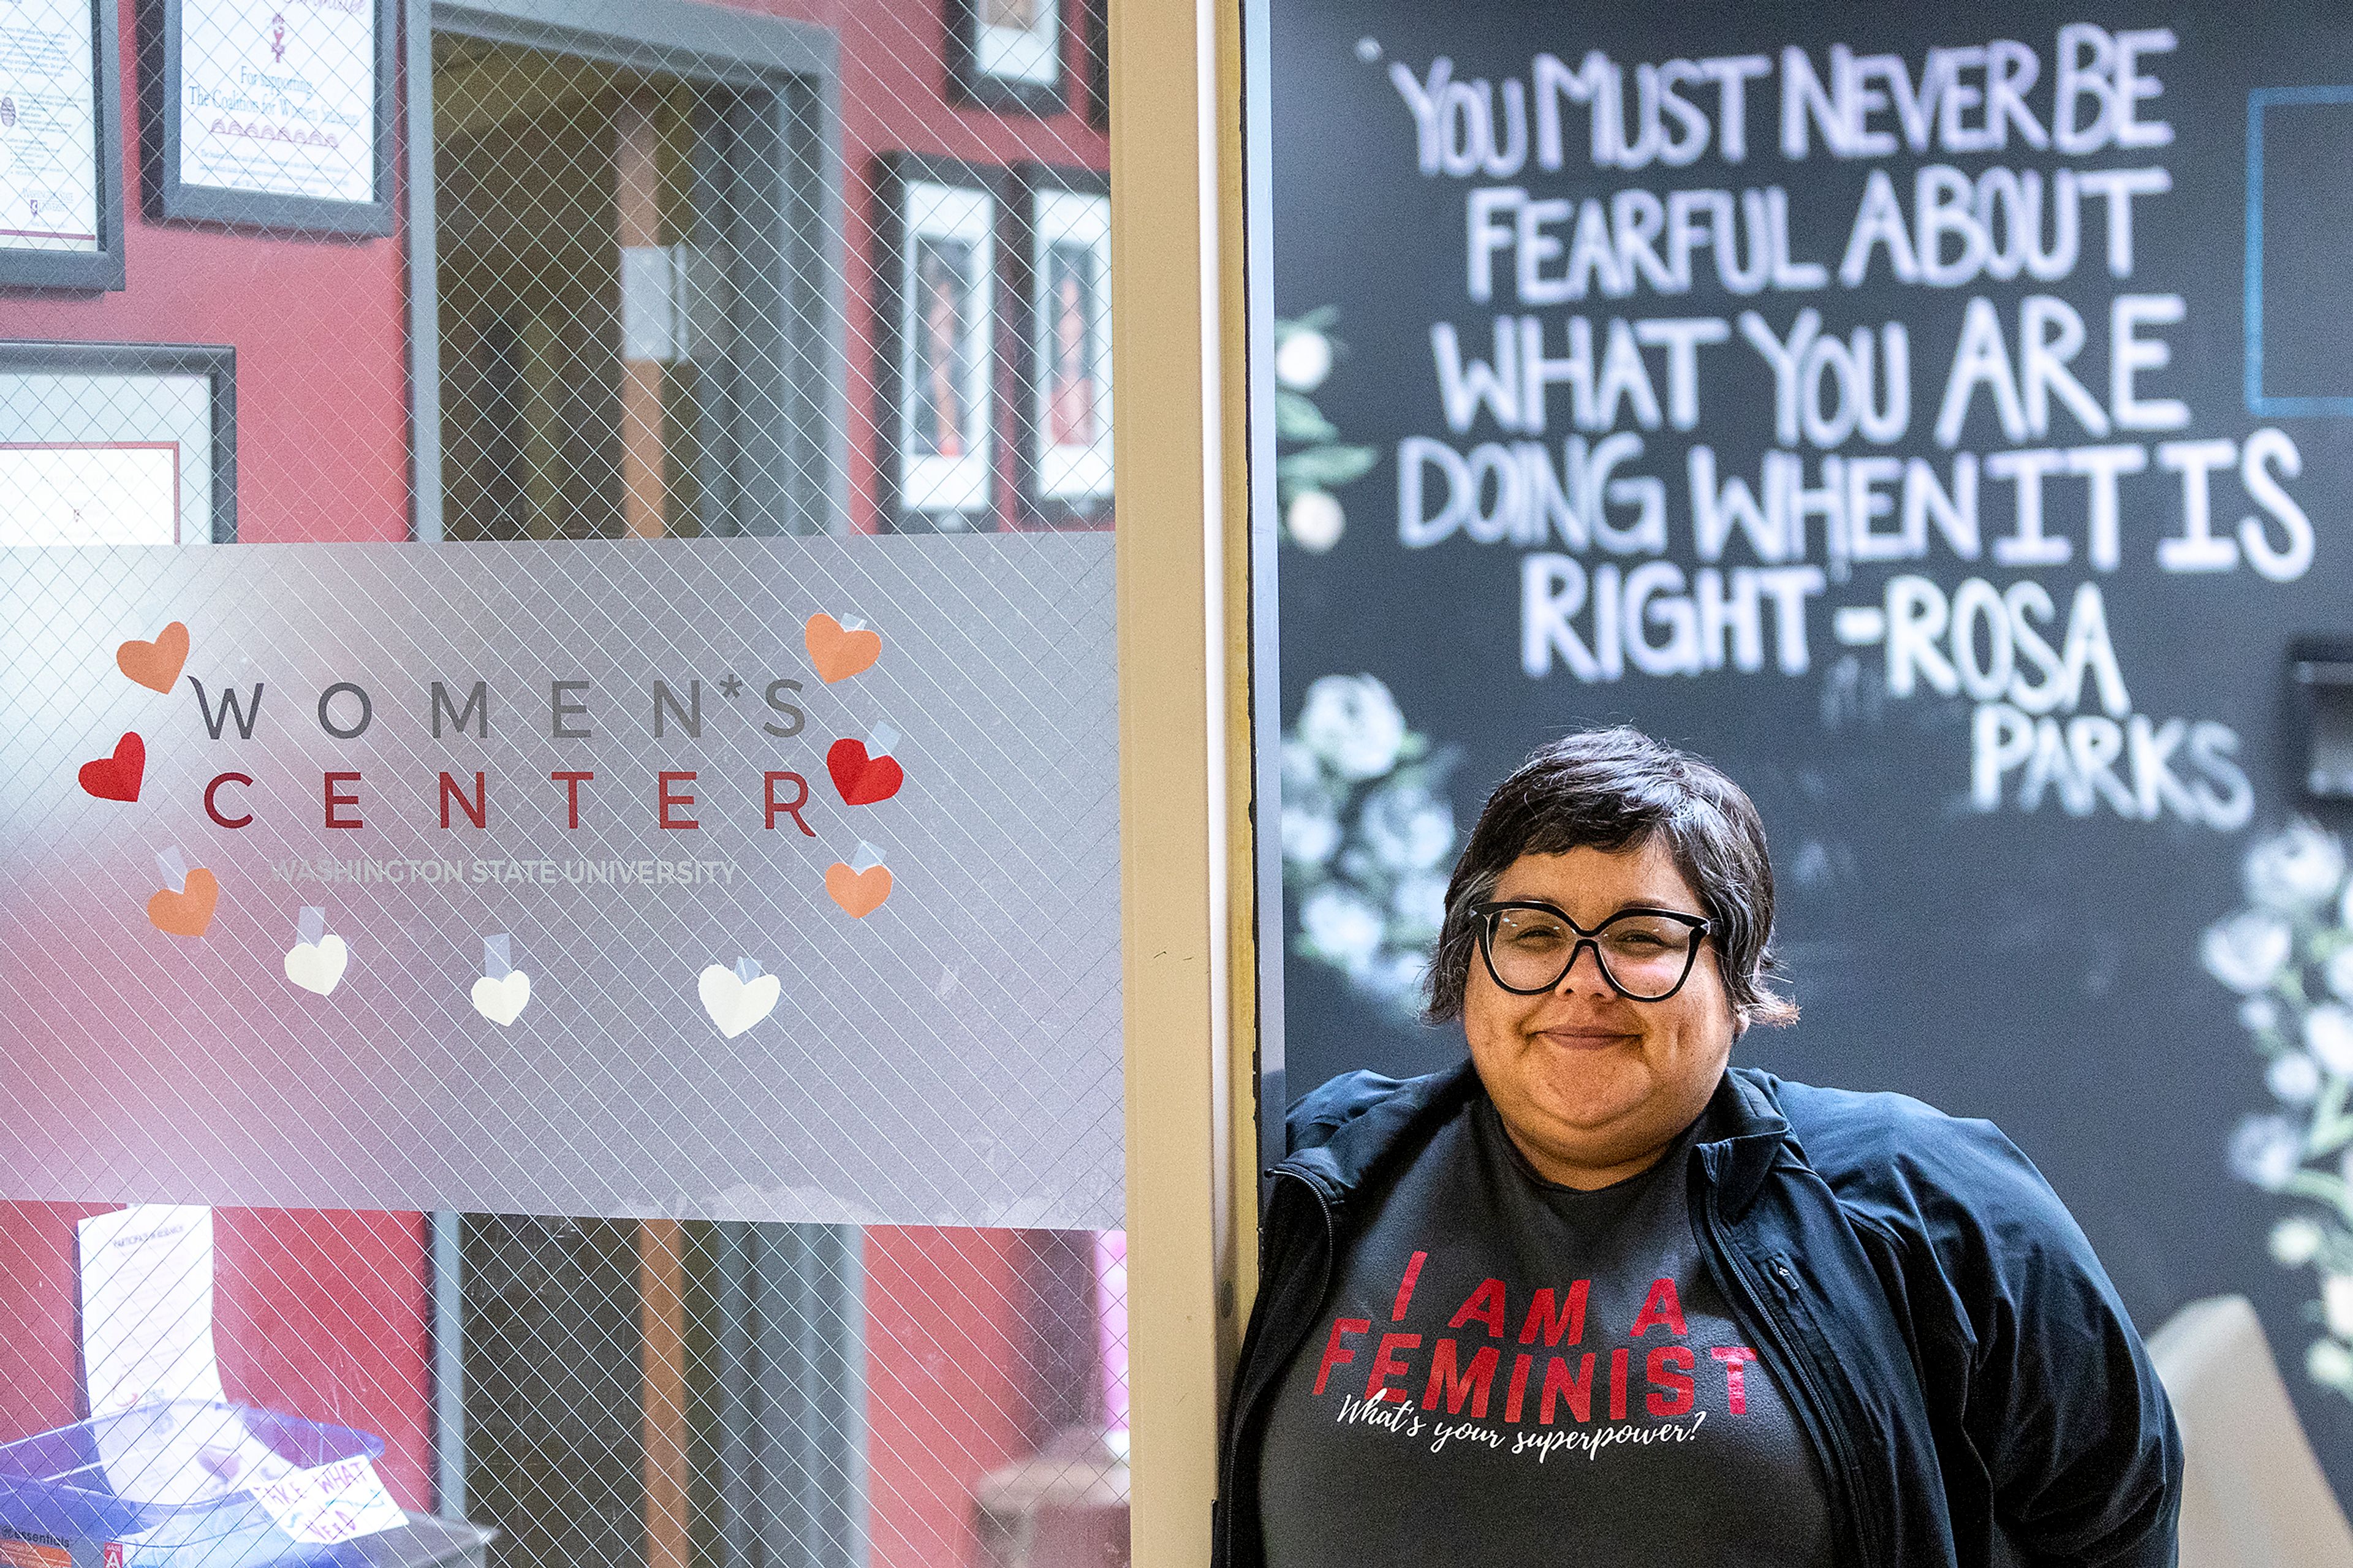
{"points": [[1597, 1297]]}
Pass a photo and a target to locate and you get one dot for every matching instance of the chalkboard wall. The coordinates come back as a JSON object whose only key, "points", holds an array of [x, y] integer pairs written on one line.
{"points": [[1944, 420]]}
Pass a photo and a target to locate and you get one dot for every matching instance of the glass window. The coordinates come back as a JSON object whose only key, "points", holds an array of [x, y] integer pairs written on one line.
{"points": [[608, 1057]]}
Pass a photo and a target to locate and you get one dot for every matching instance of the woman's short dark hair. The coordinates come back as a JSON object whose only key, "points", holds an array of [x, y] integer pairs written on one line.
{"points": [[1618, 789]]}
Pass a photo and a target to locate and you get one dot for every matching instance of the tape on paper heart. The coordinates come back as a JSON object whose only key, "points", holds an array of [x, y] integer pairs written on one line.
{"points": [[840, 652], [155, 665], [189, 911], [502, 1000], [862, 779], [118, 777], [733, 1003]]}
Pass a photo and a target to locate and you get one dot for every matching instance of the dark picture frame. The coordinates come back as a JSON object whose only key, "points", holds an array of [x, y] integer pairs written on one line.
{"points": [[1094, 36], [2319, 730], [100, 269], [975, 74], [959, 492], [163, 110], [1060, 316], [216, 362]]}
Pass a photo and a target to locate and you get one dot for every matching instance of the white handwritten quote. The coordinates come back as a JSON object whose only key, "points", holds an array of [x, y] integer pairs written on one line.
{"points": [[1639, 558]]}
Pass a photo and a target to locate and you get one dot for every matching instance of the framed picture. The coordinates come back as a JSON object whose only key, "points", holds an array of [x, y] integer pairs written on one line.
{"points": [[117, 444], [936, 264], [274, 113], [1007, 55], [1064, 382], [60, 145]]}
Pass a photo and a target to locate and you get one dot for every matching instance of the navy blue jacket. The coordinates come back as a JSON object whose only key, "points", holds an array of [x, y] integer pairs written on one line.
{"points": [[1959, 1360]]}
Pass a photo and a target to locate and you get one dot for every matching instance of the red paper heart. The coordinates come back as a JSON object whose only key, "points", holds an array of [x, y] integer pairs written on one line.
{"points": [[862, 779], [118, 777]]}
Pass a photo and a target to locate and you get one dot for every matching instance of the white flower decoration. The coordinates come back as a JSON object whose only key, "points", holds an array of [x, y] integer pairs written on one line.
{"points": [[1315, 520], [1353, 723], [1407, 827], [2295, 868], [2247, 950], [2329, 1033], [1397, 976], [1303, 359], [1343, 928], [2293, 1078], [2277, 954], [2267, 1151], [1309, 837], [2330, 1363], [1367, 836], [2336, 1303], [1300, 769], [2295, 1241], [1420, 908]]}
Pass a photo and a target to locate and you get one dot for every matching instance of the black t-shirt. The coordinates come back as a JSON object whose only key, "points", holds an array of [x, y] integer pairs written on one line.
{"points": [[1508, 1371]]}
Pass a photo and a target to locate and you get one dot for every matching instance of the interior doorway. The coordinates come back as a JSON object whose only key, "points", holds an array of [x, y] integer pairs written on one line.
{"points": [[652, 1394], [629, 300]]}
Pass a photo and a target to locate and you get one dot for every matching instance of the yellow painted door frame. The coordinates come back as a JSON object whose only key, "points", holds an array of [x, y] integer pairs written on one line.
{"points": [[1187, 912]]}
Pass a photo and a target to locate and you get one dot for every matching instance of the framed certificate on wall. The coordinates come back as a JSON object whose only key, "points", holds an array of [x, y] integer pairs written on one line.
{"points": [[273, 113], [60, 145], [89, 492], [117, 444]]}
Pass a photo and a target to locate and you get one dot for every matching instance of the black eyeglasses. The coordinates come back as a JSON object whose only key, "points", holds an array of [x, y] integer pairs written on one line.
{"points": [[1645, 954]]}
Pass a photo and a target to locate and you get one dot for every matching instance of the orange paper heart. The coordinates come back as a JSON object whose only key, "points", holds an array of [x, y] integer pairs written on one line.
{"points": [[155, 665], [189, 912], [860, 893], [839, 654]]}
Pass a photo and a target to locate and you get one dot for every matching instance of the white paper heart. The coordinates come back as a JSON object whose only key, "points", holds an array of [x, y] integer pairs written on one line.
{"points": [[734, 1005], [317, 965], [501, 1001]]}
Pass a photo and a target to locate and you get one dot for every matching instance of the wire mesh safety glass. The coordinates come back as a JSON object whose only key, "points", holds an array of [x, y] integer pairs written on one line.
{"points": [[563, 994]]}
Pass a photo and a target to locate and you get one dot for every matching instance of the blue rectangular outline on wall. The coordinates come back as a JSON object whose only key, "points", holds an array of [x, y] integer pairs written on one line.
{"points": [[2258, 404]]}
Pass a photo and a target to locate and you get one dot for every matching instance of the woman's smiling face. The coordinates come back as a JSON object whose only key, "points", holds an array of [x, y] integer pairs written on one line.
{"points": [[1591, 1086]]}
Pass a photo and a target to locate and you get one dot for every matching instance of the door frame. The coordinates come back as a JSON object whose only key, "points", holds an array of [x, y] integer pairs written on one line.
{"points": [[800, 64], [1189, 814]]}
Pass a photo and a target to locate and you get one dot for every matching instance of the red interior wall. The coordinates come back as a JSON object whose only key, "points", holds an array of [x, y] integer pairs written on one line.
{"points": [[320, 1313], [894, 98], [321, 324], [325, 1314], [947, 1398], [320, 330], [328, 1313]]}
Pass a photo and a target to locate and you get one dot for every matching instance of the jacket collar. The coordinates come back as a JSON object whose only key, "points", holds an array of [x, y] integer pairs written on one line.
{"points": [[1742, 1131], [1397, 1123]]}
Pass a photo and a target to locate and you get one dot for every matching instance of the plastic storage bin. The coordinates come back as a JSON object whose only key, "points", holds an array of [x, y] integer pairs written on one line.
{"points": [[58, 1485]]}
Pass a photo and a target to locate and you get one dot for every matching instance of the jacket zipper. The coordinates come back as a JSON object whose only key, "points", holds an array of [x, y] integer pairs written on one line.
{"points": [[1243, 1412], [1795, 1374]]}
